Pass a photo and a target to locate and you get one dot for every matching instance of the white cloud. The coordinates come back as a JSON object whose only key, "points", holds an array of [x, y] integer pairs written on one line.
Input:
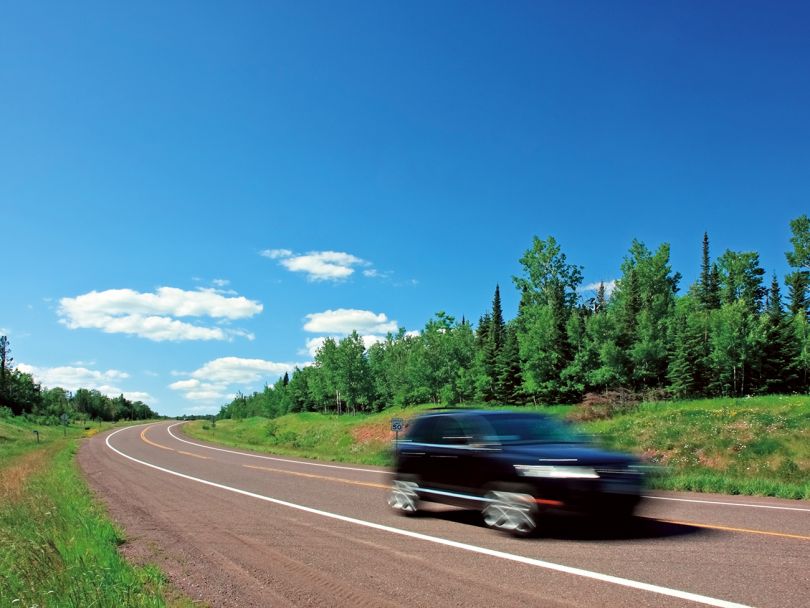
{"points": [[185, 385], [219, 379], [609, 286], [314, 344], [152, 315], [221, 282], [347, 320], [320, 265], [72, 378], [370, 340]]}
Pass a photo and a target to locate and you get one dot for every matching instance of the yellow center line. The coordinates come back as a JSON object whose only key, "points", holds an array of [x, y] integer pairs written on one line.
{"points": [[730, 529], [191, 454], [150, 442], [163, 447], [324, 477]]}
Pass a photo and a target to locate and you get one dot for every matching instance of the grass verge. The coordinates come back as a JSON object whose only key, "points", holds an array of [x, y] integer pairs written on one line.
{"points": [[57, 547], [753, 446]]}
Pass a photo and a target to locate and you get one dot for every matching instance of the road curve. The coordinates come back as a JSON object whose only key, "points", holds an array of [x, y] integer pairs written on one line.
{"points": [[238, 529]]}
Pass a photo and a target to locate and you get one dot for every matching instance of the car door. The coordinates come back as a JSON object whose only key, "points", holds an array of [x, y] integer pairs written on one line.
{"points": [[446, 448]]}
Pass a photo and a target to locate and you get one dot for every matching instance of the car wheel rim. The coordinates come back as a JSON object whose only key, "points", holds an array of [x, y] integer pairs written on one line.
{"points": [[403, 496], [510, 512]]}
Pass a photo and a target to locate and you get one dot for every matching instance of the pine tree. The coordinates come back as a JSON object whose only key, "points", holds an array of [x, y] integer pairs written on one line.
{"points": [[778, 356], [492, 346], [708, 285], [798, 283], [508, 368], [497, 326]]}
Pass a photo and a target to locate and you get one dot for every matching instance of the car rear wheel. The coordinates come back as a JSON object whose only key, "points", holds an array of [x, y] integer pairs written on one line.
{"points": [[511, 512], [403, 498]]}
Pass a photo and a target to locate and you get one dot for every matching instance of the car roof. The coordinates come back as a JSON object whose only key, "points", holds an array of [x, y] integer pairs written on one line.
{"points": [[478, 412]]}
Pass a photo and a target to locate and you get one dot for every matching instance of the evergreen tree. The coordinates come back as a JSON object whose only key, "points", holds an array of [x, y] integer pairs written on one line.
{"points": [[708, 287], [508, 368], [689, 365], [779, 352], [491, 347], [798, 283]]}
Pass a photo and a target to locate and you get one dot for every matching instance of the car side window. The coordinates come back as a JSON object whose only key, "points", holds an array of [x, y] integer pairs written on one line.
{"points": [[421, 430], [448, 431]]}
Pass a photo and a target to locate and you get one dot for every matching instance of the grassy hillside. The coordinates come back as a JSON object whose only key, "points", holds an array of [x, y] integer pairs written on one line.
{"points": [[736, 446], [57, 548]]}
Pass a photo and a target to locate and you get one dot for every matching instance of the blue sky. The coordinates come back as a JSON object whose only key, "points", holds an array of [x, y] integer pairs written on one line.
{"points": [[191, 192]]}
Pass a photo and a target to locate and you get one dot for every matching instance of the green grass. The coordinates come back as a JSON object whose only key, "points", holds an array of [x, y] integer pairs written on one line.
{"points": [[57, 547], [732, 446], [753, 446]]}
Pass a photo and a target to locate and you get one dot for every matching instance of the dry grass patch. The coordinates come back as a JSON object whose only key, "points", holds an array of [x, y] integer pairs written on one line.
{"points": [[15, 475]]}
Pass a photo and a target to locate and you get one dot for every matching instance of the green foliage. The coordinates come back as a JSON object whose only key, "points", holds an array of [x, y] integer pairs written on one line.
{"points": [[755, 445], [56, 546], [716, 340], [22, 395]]}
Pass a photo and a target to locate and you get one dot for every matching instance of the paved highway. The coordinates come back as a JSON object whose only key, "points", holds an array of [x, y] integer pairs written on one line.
{"points": [[238, 529]]}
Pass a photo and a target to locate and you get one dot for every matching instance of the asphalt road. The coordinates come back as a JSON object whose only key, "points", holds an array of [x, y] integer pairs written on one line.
{"points": [[239, 529]]}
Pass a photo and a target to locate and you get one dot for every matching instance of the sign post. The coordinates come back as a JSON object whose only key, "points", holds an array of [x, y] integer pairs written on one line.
{"points": [[65, 419], [37, 434], [396, 426]]}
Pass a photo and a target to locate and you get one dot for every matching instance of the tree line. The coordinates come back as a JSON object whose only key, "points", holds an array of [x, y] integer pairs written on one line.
{"points": [[20, 395], [731, 333]]}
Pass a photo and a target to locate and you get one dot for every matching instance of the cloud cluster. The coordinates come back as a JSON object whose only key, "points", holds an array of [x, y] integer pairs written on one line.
{"points": [[218, 380], [338, 323], [347, 320], [154, 315], [73, 378], [320, 265]]}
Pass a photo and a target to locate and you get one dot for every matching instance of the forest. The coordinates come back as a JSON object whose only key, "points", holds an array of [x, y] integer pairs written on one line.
{"points": [[731, 333], [21, 395]]}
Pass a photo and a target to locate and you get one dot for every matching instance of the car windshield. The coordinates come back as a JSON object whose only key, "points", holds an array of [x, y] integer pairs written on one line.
{"points": [[528, 428]]}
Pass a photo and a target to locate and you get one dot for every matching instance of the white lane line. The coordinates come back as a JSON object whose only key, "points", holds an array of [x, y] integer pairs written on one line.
{"points": [[336, 466], [624, 582], [728, 504], [311, 464]]}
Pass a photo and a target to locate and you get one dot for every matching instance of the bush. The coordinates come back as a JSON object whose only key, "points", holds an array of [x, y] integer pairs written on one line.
{"points": [[5, 412], [603, 406]]}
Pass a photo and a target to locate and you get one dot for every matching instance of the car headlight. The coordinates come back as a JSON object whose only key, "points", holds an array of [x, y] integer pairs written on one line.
{"points": [[555, 472]]}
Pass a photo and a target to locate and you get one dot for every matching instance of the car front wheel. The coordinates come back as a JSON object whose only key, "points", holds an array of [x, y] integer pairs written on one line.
{"points": [[403, 498], [511, 512]]}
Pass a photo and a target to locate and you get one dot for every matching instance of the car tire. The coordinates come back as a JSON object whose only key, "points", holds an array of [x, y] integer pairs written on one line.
{"points": [[511, 511], [403, 498]]}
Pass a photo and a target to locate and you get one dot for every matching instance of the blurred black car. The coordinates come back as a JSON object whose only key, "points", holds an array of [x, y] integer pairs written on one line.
{"points": [[512, 466]]}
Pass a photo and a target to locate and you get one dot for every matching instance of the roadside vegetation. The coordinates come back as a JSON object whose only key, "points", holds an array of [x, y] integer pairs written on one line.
{"points": [[57, 547], [731, 333], [755, 446]]}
